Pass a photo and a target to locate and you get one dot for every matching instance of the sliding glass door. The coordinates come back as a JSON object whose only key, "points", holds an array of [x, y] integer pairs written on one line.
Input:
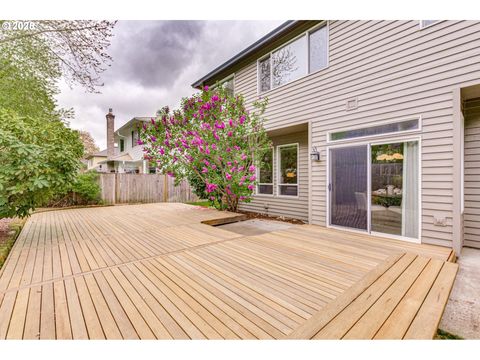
{"points": [[348, 187], [375, 187]]}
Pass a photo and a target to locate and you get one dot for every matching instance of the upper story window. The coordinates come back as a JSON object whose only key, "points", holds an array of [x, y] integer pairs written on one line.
{"points": [[305, 54], [228, 86], [135, 137], [425, 23], [122, 145]]}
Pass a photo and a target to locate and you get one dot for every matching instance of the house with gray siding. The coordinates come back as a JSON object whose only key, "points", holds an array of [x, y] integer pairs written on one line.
{"points": [[375, 125]]}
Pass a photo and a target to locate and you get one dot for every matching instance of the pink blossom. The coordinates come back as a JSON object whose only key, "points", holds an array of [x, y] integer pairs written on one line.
{"points": [[230, 134], [152, 120], [228, 176], [230, 122], [211, 188], [250, 187], [204, 170], [228, 149], [162, 151], [242, 119], [212, 198], [251, 168], [170, 174], [229, 163], [214, 147], [253, 178], [139, 142], [213, 167], [206, 162], [205, 88], [244, 157], [236, 147], [241, 168]]}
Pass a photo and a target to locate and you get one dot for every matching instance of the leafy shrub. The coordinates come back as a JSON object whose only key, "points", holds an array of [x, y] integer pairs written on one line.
{"points": [[84, 190], [86, 186]]}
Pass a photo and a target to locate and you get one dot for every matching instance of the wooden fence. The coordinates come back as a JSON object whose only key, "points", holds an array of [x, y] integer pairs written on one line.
{"points": [[143, 188]]}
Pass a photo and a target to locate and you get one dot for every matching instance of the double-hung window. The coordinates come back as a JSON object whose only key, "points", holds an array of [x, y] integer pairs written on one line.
{"points": [[287, 170], [265, 175], [304, 55]]}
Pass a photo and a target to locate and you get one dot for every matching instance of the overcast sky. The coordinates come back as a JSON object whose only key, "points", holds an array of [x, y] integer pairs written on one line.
{"points": [[154, 63]]}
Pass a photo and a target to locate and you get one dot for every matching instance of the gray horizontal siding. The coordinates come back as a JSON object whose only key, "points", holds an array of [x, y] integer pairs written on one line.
{"points": [[296, 208], [396, 71], [471, 218]]}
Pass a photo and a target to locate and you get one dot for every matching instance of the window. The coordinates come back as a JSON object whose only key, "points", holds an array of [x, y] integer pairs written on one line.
{"points": [[135, 137], [288, 170], [265, 80], [306, 54], [289, 63], [265, 175], [318, 44], [122, 145], [228, 86], [408, 125], [425, 23]]}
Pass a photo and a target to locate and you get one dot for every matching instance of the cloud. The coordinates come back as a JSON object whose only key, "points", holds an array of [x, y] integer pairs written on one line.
{"points": [[154, 63]]}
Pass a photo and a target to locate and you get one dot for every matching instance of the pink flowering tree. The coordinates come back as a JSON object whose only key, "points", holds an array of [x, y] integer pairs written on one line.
{"points": [[213, 142]]}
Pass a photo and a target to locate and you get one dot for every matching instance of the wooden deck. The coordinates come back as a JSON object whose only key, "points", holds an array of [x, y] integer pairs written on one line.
{"points": [[157, 272]]}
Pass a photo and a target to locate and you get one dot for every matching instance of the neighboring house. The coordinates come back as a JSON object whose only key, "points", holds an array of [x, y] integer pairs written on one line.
{"points": [[123, 154], [93, 161], [369, 120]]}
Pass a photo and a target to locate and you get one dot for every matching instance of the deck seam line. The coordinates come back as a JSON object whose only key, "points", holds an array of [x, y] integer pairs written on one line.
{"points": [[6, 291]]}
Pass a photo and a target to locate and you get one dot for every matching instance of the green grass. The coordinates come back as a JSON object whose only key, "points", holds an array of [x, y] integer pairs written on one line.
{"points": [[445, 335], [5, 246], [204, 203]]}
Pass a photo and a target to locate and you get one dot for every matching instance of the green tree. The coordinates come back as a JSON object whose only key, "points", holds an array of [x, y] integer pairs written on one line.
{"points": [[38, 157], [39, 154]]}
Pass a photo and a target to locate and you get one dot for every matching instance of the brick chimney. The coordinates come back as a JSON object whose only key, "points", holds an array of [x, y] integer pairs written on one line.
{"points": [[110, 138]]}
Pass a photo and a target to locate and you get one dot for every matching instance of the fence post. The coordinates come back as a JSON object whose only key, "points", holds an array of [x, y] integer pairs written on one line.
{"points": [[165, 188]]}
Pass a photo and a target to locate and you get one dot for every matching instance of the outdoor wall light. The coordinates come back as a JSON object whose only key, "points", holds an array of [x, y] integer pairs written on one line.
{"points": [[315, 154]]}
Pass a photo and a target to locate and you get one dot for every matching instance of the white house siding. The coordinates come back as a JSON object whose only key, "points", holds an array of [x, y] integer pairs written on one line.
{"points": [[472, 182], [293, 207], [397, 71]]}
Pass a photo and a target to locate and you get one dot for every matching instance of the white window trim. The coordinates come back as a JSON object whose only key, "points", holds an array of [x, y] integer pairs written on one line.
{"points": [[427, 26], [257, 193], [389, 134], [370, 143], [279, 172], [305, 34]]}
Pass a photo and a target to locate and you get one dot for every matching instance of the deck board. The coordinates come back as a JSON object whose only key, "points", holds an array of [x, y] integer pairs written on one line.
{"points": [[158, 271]]}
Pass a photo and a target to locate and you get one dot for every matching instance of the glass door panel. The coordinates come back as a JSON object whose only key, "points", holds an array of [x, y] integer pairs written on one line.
{"points": [[348, 187], [394, 189]]}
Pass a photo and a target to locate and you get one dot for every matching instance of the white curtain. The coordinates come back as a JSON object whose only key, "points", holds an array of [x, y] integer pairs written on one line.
{"points": [[410, 225]]}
